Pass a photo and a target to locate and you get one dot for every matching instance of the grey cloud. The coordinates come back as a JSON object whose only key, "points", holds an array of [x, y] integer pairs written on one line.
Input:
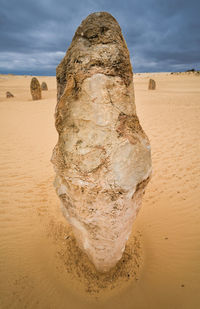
{"points": [[161, 35]]}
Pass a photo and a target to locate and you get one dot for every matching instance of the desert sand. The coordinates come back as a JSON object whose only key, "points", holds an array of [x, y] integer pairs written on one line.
{"points": [[40, 264]]}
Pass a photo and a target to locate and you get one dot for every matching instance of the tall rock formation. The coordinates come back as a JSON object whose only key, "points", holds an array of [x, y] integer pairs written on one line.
{"points": [[35, 89], [102, 159], [152, 84]]}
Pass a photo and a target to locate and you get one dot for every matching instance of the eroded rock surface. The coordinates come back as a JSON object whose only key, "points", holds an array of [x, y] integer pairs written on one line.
{"points": [[44, 86], [35, 89], [102, 159], [152, 84]]}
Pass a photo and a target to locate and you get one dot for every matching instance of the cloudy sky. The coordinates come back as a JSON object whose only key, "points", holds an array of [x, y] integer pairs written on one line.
{"points": [[162, 35]]}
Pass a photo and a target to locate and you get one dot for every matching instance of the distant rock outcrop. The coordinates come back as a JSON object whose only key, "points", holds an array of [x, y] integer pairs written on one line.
{"points": [[103, 157], [35, 89], [152, 84], [9, 95], [44, 86], [191, 71]]}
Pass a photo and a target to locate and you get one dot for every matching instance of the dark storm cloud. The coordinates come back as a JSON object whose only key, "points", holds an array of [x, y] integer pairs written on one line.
{"points": [[161, 35]]}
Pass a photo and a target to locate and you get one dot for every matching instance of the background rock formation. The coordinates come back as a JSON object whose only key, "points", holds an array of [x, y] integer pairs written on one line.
{"points": [[35, 89], [152, 84], [9, 95], [102, 159], [44, 86]]}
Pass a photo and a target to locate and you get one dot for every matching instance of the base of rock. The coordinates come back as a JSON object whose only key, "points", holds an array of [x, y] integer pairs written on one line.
{"points": [[92, 233]]}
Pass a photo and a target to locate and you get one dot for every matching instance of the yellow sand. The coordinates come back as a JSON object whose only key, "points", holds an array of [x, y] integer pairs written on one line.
{"points": [[40, 265]]}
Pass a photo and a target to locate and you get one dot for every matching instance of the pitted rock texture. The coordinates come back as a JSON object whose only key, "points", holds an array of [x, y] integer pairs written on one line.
{"points": [[9, 95], [35, 89], [44, 86], [102, 159], [152, 84]]}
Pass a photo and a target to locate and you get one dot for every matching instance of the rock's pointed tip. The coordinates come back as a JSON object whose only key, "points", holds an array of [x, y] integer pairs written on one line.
{"points": [[99, 18]]}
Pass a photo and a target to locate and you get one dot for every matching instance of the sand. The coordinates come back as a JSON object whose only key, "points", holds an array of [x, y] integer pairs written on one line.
{"points": [[40, 264]]}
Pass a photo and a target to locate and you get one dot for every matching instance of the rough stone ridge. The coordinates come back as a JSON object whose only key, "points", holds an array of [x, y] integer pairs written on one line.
{"points": [[35, 89], [152, 84], [44, 86], [102, 159]]}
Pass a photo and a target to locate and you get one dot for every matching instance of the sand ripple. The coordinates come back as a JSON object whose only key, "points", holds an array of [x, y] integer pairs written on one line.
{"points": [[40, 265]]}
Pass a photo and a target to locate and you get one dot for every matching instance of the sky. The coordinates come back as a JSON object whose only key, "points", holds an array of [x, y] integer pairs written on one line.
{"points": [[161, 35]]}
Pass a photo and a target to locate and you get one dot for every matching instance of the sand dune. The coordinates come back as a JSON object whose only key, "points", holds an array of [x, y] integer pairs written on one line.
{"points": [[40, 265]]}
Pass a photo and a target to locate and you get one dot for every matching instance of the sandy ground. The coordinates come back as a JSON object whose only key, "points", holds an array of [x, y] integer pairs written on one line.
{"points": [[40, 264]]}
